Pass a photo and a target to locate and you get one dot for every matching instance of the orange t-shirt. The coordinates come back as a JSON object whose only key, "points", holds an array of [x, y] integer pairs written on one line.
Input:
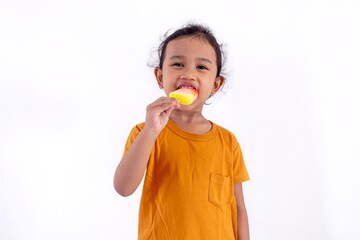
{"points": [[188, 190]]}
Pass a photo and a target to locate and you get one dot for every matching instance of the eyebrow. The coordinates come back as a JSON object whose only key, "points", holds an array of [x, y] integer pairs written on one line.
{"points": [[181, 57]]}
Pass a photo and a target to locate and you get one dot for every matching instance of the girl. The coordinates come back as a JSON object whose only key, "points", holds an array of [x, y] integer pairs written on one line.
{"points": [[194, 167]]}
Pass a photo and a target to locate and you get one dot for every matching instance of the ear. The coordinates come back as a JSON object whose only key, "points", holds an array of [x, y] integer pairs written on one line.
{"points": [[219, 82], [159, 77]]}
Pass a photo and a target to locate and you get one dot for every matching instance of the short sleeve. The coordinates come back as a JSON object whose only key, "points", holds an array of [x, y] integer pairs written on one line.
{"points": [[132, 136], [240, 171]]}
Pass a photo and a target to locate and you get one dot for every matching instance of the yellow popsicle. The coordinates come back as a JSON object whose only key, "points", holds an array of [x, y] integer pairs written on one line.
{"points": [[185, 95]]}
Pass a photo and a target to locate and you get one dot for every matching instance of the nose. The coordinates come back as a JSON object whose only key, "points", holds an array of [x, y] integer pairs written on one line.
{"points": [[188, 76], [188, 73]]}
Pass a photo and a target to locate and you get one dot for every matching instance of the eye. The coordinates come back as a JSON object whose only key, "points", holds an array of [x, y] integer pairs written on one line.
{"points": [[202, 67], [177, 65]]}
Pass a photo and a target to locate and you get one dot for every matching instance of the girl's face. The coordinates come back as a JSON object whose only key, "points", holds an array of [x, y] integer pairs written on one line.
{"points": [[191, 62]]}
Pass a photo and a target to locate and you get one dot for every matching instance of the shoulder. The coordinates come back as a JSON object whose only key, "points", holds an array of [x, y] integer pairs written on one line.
{"points": [[139, 126], [224, 131], [136, 129], [227, 136]]}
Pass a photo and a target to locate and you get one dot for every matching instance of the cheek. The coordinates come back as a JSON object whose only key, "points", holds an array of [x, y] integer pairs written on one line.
{"points": [[169, 76]]}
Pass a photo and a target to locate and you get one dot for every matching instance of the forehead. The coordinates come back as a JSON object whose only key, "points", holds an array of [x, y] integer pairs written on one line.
{"points": [[190, 46]]}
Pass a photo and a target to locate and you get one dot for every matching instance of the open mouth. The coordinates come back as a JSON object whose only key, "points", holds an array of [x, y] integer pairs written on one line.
{"points": [[187, 87]]}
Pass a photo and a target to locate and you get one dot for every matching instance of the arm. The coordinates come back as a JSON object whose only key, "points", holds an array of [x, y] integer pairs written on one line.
{"points": [[131, 169], [242, 218]]}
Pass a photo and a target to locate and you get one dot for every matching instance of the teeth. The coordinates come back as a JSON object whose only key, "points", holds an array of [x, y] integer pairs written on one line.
{"points": [[187, 87]]}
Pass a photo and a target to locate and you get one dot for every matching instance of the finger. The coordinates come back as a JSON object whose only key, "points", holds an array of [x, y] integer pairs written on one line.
{"points": [[162, 105], [176, 105]]}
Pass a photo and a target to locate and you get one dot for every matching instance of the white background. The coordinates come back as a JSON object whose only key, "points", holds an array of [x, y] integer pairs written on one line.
{"points": [[74, 80]]}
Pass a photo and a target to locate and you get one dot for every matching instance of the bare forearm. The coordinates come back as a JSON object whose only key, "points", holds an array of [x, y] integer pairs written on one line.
{"points": [[131, 168], [242, 218], [243, 224]]}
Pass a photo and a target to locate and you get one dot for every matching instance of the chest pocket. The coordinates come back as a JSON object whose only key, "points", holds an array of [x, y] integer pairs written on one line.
{"points": [[219, 189]]}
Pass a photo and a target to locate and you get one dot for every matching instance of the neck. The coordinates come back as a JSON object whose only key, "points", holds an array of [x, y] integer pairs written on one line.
{"points": [[192, 122]]}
